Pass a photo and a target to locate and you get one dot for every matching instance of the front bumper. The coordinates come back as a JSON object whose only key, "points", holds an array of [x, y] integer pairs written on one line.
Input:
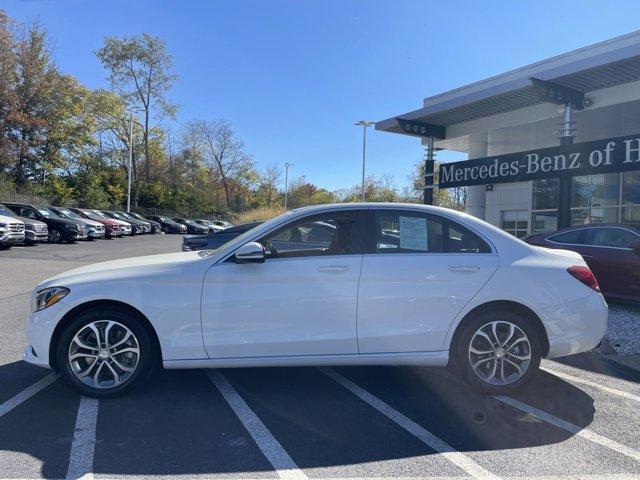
{"points": [[40, 327], [9, 238], [93, 233], [32, 236]]}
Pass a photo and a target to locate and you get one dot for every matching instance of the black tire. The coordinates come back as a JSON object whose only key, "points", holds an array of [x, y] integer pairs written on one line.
{"points": [[147, 360], [462, 358], [55, 235]]}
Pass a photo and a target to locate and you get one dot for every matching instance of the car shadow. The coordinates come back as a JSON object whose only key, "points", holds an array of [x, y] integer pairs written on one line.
{"points": [[179, 423], [595, 363]]}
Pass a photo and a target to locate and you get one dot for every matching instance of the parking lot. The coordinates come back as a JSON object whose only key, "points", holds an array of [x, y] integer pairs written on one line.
{"points": [[577, 419]]}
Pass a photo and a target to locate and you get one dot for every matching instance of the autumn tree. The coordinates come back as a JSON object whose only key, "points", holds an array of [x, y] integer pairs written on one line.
{"points": [[140, 71]]}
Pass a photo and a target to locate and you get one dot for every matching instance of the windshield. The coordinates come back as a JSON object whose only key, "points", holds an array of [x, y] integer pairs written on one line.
{"points": [[5, 211], [69, 213], [249, 233], [45, 212], [92, 215]]}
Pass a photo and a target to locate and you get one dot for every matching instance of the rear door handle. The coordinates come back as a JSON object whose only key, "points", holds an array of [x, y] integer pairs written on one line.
{"points": [[333, 269], [464, 268]]}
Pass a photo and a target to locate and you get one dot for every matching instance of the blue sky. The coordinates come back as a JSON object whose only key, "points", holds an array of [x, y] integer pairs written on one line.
{"points": [[293, 75]]}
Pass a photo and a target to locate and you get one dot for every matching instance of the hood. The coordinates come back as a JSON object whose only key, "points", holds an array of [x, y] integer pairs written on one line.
{"points": [[125, 268], [66, 221], [91, 222], [5, 219], [31, 221], [561, 253]]}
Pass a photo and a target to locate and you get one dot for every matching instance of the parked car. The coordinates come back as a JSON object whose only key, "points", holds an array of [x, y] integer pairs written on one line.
{"points": [[146, 226], [155, 226], [124, 225], [60, 229], [34, 230], [168, 225], [222, 223], [612, 251], [11, 231], [209, 224], [130, 227], [454, 289], [94, 229], [215, 240], [192, 226], [112, 228]]}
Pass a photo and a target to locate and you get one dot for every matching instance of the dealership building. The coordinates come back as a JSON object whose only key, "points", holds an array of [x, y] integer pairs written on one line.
{"points": [[549, 145]]}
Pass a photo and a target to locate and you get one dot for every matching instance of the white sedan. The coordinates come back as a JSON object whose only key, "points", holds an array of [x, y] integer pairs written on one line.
{"points": [[352, 284]]}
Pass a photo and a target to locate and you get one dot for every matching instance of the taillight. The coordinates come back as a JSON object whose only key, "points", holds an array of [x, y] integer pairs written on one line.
{"points": [[585, 275]]}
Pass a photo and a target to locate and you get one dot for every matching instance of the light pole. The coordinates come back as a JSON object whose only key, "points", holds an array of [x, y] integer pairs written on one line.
{"points": [[364, 124], [286, 182]]}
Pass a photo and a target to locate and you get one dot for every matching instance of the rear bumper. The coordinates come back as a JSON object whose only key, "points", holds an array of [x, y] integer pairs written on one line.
{"points": [[577, 326]]}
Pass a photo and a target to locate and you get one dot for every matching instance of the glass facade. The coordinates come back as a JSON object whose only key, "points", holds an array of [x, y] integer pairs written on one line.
{"points": [[605, 198]]}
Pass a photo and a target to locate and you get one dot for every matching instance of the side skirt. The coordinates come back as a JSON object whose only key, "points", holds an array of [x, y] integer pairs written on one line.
{"points": [[432, 359]]}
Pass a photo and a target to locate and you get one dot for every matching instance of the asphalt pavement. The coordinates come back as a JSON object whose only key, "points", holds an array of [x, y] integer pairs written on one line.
{"points": [[577, 419]]}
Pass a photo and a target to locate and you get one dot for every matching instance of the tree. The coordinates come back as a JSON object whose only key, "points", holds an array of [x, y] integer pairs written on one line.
{"points": [[140, 71], [267, 191], [222, 151]]}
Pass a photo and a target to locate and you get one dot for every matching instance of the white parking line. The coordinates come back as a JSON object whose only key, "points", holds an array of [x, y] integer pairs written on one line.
{"points": [[84, 440], [272, 449], [27, 393], [572, 378], [570, 427], [460, 460]]}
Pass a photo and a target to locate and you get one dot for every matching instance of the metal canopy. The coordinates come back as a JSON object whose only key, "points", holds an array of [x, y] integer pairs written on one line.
{"points": [[603, 65]]}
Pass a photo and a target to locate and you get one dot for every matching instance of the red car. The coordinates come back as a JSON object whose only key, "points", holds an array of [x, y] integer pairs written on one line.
{"points": [[112, 228], [612, 251]]}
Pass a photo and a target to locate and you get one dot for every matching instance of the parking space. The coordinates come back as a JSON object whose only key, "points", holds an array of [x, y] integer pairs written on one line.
{"points": [[576, 419]]}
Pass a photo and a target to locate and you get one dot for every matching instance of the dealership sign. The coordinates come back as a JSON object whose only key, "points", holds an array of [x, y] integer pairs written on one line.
{"points": [[599, 156]]}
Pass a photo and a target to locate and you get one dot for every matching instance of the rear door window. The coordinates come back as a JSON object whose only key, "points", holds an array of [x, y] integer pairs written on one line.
{"points": [[574, 237], [610, 237]]}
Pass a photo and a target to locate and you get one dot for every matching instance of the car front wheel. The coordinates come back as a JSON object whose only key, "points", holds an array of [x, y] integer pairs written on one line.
{"points": [[104, 353], [498, 351]]}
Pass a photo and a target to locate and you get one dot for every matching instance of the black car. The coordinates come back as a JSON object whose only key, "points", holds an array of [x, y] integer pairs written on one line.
{"points": [[155, 226], [215, 240], [60, 229], [193, 227], [168, 225], [130, 218]]}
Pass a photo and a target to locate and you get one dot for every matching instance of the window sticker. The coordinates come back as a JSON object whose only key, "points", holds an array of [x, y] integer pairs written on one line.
{"points": [[413, 233]]}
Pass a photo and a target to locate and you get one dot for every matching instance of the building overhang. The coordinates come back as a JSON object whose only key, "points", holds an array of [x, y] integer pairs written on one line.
{"points": [[603, 65]]}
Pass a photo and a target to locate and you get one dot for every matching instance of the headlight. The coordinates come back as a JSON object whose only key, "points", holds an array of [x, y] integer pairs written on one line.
{"points": [[47, 297]]}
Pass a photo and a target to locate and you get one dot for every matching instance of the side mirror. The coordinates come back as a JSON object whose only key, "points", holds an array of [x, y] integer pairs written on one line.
{"points": [[635, 245], [252, 252]]}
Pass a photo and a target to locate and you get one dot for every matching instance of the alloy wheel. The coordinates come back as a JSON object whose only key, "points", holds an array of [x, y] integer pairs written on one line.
{"points": [[499, 353], [55, 236], [104, 354]]}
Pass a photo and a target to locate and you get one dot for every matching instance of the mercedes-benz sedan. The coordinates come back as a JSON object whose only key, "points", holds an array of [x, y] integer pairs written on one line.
{"points": [[352, 284]]}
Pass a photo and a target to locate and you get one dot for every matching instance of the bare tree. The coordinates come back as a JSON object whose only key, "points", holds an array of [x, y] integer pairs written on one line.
{"points": [[222, 151]]}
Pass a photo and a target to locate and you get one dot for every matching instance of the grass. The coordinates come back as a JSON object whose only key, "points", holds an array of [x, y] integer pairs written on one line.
{"points": [[259, 214]]}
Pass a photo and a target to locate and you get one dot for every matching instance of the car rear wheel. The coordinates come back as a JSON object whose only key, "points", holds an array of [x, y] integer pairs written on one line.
{"points": [[105, 352], [498, 351]]}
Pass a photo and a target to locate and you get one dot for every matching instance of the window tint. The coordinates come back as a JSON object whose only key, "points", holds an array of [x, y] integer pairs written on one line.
{"points": [[576, 237], [326, 234], [408, 232], [462, 240], [610, 237]]}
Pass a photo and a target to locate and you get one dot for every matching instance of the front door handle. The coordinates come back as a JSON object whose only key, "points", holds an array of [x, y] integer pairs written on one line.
{"points": [[333, 269], [587, 256], [464, 268]]}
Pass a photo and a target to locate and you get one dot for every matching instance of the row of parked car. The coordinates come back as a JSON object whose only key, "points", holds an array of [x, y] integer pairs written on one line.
{"points": [[26, 223]]}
